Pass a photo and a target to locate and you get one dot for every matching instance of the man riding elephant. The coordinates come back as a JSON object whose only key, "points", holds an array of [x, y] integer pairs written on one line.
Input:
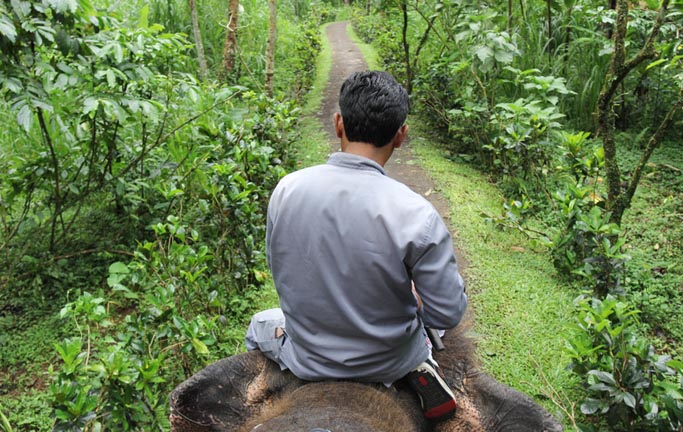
{"points": [[361, 263], [345, 245], [249, 393]]}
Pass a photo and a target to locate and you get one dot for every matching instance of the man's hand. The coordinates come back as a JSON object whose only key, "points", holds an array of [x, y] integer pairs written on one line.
{"points": [[417, 297]]}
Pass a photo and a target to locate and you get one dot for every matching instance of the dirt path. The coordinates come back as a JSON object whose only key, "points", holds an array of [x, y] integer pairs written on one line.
{"points": [[346, 59]]}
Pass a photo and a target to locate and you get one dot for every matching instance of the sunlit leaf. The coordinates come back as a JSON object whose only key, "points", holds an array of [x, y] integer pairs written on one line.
{"points": [[655, 63], [629, 400], [592, 406], [7, 28], [25, 117], [63, 5], [119, 267], [143, 17], [484, 53], [675, 364], [603, 376], [199, 346], [504, 56], [90, 104]]}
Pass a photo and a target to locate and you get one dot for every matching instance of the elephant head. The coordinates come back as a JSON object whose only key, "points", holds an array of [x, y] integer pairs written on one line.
{"points": [[247, 393]]}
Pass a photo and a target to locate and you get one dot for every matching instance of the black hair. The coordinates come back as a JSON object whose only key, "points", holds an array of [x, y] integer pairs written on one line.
{"points": [[373, 106]]}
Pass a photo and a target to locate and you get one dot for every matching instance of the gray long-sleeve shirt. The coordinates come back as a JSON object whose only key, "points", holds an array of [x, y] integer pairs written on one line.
{"points": [[344, 242]]}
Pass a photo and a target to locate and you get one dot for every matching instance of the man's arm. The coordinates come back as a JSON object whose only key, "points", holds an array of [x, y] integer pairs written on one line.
{"points": [[437, 280]]}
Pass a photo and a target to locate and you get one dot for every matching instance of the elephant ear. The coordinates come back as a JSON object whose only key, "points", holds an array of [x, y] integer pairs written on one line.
{"points": [[484, 403], [225, 394], [502, 408]]}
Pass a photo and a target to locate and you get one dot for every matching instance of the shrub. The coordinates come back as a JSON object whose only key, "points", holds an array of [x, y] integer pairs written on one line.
{"points": [[627, 384]]}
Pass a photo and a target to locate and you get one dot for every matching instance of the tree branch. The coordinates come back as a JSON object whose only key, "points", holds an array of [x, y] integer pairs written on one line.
{"points": [[625, 199], [406, 47], [618, 71], [430, 24], [92, 251], [27, 206], [620, 68], [162, 138], [55, 166], [423, 39]]}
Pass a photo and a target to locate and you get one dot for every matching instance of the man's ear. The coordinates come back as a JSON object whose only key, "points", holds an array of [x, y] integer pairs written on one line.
{"points": [[400, 136], [338, 125]]}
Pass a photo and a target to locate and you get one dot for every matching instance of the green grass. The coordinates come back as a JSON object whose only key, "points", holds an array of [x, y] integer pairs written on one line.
{"points": [[323, 65], [368, 51], [343, 13], [26, 356], [312, 148], [654, 235], [520, 310]]}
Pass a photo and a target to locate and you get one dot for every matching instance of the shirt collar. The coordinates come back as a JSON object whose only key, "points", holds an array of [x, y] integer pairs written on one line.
{"points": [[348, 160]]}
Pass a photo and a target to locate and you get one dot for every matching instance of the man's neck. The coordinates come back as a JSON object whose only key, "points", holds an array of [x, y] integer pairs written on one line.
{"points": [[378, 154]]}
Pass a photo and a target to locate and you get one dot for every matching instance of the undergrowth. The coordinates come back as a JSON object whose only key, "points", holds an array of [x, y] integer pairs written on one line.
{"points": [[520, 310], [83, 347], [654, 241]]}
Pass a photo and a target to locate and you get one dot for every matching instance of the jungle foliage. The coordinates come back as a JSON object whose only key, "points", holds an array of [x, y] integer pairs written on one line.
{"points": [[133, 189], [571, 107], [132, 200]]}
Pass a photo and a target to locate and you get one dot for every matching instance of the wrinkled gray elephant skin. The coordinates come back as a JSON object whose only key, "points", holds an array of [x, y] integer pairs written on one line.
{"points": [[247, 393]]}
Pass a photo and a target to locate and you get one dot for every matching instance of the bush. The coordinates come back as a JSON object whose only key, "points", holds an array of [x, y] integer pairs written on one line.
{"points": [[182, 292], [628, 386], [119, 145]]}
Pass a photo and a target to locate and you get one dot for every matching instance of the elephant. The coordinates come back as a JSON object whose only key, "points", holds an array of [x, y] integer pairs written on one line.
{"points": [[249, 393]]}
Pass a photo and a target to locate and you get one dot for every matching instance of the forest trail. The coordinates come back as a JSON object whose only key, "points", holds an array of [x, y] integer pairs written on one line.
{"points": [[403, 166]]}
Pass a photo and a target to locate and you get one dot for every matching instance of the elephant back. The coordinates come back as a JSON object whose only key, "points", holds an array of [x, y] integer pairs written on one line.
{"points": [[222, 396]]}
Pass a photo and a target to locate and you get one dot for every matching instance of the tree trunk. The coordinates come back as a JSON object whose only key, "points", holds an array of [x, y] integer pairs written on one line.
{"points": [[618, 197], [509, 16], [423, 41], [270, 48], [203, 70], [230, 46], [550, 31], [406, 48], [622, 204], [57, 194]]}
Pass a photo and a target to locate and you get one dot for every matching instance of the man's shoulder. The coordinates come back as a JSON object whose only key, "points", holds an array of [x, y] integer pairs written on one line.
{"points": [[303, 175], [407, 195], [307, 171], [299, 182]]}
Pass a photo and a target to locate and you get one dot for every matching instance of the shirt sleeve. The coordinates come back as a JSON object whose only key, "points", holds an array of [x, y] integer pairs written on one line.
{"points": [[270, 216], [269, 229], [437, 280]]}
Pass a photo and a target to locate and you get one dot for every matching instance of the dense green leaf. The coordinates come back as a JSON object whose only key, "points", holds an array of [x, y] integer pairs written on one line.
{"points": [[119, 267], [484, 53], [592, 406], [603, 376], [25, 117], [63, 6], [7, 28]]}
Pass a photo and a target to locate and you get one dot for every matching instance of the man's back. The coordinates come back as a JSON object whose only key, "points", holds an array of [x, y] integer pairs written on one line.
{"points": [[344, 243]]}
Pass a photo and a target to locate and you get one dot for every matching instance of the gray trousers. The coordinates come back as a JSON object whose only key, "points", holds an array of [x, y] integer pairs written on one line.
{"points": [[261, 335]]}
